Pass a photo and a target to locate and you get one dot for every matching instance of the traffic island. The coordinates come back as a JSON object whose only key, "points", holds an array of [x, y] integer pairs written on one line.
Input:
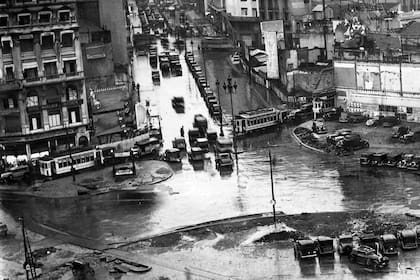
{"points": [[305, 138]]}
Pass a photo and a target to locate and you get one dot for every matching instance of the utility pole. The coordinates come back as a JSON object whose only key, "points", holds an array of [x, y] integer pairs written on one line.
{"points": [[220, 104], [29, 264], [273, 199], [324, 23], [230, 89]]}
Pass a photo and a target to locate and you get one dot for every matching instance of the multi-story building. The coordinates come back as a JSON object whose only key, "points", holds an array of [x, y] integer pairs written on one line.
{"points": [[42, 86]]}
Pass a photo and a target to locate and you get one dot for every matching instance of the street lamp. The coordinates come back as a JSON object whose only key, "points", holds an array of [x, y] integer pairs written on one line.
{"points": [[71, 157], [220, 105], [230, 89]]}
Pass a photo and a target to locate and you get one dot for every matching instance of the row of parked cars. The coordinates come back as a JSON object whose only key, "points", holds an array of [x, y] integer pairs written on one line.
{"points": [[370, 250], [399, 160], [208, 95]]}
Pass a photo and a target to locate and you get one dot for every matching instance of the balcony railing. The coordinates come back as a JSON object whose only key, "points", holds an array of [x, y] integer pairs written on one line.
{"points": [[35, 23], [53, 78]]}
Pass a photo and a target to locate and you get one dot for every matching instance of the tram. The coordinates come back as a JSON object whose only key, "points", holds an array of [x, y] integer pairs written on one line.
{"points": [[251, 121], [51, 166]]}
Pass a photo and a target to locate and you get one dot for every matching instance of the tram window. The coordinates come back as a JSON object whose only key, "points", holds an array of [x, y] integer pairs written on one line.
{"points": [[60, 165], [65, 164], [78, 160], [92, 158]]}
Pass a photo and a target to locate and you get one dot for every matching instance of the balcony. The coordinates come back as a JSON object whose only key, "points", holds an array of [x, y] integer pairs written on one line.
{"points": [[55, 78], [36, 26], [73, 102]]}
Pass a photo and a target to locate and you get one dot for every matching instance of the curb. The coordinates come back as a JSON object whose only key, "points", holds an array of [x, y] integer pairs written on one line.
{"points": [[303, 144]]}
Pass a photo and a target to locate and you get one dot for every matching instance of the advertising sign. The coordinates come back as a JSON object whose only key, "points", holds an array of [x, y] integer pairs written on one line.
{"points": [[270, 41]]}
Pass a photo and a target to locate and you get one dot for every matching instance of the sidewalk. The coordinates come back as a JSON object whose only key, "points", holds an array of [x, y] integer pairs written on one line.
{"points": [[95, 182]]}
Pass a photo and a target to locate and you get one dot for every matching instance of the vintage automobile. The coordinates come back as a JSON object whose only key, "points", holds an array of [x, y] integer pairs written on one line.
{"points": [[407, 239], [389, 121], [179, 143], [172, 155], [351, 142], [365, 159], [367, 256], [331, 114], [393, 159], [15, 173], [203, 143], [304, 249], [399, 131], [124, 171], [378, 159], [405, 159], [224, 145], [410, 137], [370, 240], [178, 104], [388, 244], [200, 122], [212, 136], [156, 77], [325, 245], [193, 134], [345, 244], [414, 164], [355, 117], [224, 161], [196, 154]]}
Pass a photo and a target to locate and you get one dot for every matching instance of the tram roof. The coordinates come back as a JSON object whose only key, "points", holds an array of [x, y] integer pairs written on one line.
{"points": [[67, 152], [256, 113]]}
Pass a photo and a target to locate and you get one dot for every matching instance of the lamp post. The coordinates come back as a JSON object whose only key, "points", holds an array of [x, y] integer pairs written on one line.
{"points": [[221, 117], [71, 157], [229, 87]]}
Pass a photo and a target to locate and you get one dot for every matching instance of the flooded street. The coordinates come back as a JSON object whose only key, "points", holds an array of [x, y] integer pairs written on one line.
{"points": [[304, 181]]}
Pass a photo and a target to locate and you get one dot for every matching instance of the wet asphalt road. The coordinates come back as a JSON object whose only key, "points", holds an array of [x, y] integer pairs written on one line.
{"points": [[304, 181]]}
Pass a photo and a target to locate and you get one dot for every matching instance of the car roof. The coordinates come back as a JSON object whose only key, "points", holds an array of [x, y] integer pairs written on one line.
{"points": [[202, 139], [388, 237], [408, 232], [324, 238], [305, 242], [173, 150], [366, 249], [345, 236], [196, 149]]}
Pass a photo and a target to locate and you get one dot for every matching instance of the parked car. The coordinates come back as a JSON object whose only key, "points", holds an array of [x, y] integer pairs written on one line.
{"points": [[365, 159], [172, 155], [193, 134], [410, 137], [179, 143], [405, 159], [200, 122], [345, 244], [389, 121], [224, 161], [370, 240], [203, 143], [212, 136], [15, 173], [414, 164], [325, 245], [407, 239], [393, 159], [351, 117], [378, 159], [351, 142], [196, 154], [367, 256], [156, 77], [388, 244], [399, 131], [372, 122], [304, 249], [331, 114]]}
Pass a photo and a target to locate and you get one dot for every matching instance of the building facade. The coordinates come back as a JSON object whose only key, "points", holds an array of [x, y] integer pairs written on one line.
{"points": [[43, 104]]}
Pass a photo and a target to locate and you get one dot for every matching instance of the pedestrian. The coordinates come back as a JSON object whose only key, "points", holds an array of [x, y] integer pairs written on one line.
{"points": [[182, 131]]}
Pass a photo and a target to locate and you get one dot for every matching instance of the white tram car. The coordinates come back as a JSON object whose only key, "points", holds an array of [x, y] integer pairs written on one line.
{"points": [[251, 121], [51, 166]]}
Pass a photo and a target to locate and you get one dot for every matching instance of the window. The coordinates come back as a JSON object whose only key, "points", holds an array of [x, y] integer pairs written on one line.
{"points": [[10, 103], [244, 11], [71, 93], [35, 121], [10, 75], [409, 110], [63, 15], [6, 46], [24, 19], [254, 12], [32, 101], [54, 119], [4, 20], [27, 45], [50, 70], [67, 40], [13, 124], [74, 115], [30, 74], [69, 67], [47, 42], [44, 17]]}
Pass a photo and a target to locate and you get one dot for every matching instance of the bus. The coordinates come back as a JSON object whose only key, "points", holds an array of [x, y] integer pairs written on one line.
{"points": [[60, 164], [251, 121]]}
